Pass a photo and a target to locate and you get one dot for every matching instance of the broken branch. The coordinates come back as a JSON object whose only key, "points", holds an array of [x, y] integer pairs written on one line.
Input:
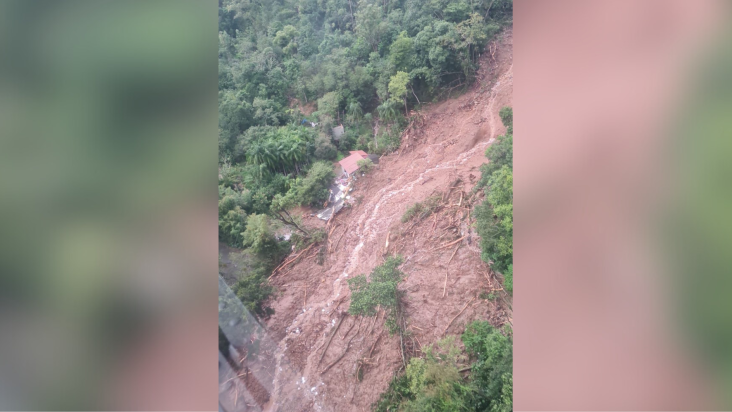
{"points": [[331, 338], [456, 316], [453, 253], [349, 329], [448, 244], [291, 260], [348, 346]]}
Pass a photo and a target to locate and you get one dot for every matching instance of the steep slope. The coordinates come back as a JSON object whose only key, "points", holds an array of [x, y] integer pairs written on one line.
{"points": [[439, 155]]}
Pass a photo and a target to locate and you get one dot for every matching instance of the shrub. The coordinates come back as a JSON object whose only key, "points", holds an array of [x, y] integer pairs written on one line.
{"points": [[233, 208], [348, 140], [506, 114], [365, 165], [422, 209], [492, 371], [252, 287], [301, 242], [388, 140], [324, 149], [508, 279], [259, 237], [494, 220], [434, 383], [313, 190], [231, 226], [380, 290], [253, 290]]}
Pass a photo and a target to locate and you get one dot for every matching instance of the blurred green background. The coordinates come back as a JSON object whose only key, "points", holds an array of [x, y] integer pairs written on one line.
{"points": [[698, 229], [108, 156]]}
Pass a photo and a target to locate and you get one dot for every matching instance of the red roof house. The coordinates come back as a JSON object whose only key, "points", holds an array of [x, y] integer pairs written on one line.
{"points": [[350, 164]]}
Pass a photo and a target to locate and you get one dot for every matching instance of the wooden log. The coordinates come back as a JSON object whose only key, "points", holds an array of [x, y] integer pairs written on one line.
{"points": [[453, 253], [456, 316], [335, 331], [448, 244], [348, 346]]}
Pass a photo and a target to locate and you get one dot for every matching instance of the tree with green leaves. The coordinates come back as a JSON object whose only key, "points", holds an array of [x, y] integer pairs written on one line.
{"points": [[398, 89], [279, 209], [494, 217], [330, 103], [434, 382], [492, 372], [401, 52], [313, 189], [378, 291], [495, 220], [355, 112], [259, 236], [285, 38]]}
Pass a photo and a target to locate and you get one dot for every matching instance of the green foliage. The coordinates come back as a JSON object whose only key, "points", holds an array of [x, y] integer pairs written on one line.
{"points": [[355, 112], [285, 38], [259, 237], [343, 54], [251, 286], [301, 242], [329, 103], [508, 279], [422, 210], [431, 383], [494, 217], [434, 383], [500, 153], [253, 291], [324, 149], [399, 391], [398, 86], [283, 150], [388, 139], [401, 52], [235, 115], [233, 206], [379, 290], [314, 188], [506, 114], [365, 165], [495, 220], [492, 371]]}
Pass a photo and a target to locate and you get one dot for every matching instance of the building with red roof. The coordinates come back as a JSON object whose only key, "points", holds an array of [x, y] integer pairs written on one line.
{"points": [[350, 163]]}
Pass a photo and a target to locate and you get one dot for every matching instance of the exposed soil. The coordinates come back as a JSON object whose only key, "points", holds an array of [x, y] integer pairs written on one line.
{"points": [[441, 155]]}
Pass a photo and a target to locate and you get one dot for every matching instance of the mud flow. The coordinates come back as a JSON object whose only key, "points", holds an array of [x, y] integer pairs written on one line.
{"points": [[312, 356]]}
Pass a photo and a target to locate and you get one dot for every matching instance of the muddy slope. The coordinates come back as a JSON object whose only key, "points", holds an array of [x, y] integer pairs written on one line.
{"points": [[446, 147]]}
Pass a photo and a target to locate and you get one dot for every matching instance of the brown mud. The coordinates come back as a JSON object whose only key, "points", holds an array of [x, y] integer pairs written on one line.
{"points": [[440, 155]]}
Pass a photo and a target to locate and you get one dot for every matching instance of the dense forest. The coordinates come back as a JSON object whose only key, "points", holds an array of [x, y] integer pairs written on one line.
{"points": [[292, 70], [362, 64]]}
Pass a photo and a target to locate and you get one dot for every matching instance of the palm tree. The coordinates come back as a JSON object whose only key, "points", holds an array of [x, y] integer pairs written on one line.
{"points": [[354, 111], [387, 111]]}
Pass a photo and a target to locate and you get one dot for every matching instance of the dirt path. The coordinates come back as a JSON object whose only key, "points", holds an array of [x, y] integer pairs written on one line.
{"points": [[450, 145]]}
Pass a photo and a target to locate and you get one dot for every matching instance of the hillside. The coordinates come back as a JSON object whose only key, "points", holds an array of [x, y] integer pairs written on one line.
{"points": [[439, 155]]}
